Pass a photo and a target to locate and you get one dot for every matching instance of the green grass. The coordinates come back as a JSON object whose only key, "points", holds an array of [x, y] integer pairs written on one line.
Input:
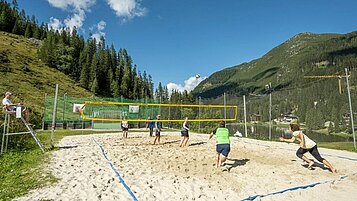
{"points": [[22, 171], [347, 146]]}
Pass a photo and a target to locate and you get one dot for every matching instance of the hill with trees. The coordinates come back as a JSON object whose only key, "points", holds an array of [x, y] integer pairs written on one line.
{"points": [[314, 101]]}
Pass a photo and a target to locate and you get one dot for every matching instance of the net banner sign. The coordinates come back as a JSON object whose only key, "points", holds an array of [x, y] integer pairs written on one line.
{"points": [[18, 112], [77, 107], [133, 109]]}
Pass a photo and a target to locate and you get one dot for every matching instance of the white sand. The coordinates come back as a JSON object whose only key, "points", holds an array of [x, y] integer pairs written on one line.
{"points": [[168, 172]]}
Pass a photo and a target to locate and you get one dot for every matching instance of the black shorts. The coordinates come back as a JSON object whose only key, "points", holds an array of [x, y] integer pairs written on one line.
{"points": [[157, 132], [313, 151], [184, 133], [223, 149], [125, 129]]}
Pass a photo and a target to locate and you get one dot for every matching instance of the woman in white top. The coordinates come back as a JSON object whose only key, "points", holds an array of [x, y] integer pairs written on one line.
{"points": [[125, 127], [184, 133], [306, 145]]}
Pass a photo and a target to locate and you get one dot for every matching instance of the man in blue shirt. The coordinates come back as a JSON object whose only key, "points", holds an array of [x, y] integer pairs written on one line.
{"points": [[157, 130], [150, 125]]}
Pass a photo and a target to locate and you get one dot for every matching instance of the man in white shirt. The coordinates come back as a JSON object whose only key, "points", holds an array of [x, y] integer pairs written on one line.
{"points": [[10, 107]]}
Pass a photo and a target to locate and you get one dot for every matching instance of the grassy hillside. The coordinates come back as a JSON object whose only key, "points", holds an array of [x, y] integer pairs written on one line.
{"points": [[27, 77]]}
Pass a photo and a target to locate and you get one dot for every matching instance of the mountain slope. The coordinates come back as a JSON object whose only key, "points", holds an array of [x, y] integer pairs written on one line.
{"points": [[285, 65], [27, 77]]}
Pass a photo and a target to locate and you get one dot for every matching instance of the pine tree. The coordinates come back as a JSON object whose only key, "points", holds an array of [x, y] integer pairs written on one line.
{"points": [[159, 91], [15, 5], [151, 87], [28, 31], [115, 86], [37, 33], [114, 58], [135, 84], [6, 20], [125, 85], [95, 88], [64, 37], [93, 69], [47, 51], [18, 28], [77, 45], [85, 72]]}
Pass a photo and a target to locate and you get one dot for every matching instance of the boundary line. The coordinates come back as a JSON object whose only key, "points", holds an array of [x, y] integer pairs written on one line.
{"points": [[115, 171], [296, 188]]}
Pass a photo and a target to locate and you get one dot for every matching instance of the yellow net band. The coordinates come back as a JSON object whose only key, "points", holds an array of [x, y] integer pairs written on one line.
{"points": [[157, 104], [161, 120]]}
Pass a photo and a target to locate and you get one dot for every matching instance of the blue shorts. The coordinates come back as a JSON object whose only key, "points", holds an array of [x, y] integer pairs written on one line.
{"points": [[223, 149]]}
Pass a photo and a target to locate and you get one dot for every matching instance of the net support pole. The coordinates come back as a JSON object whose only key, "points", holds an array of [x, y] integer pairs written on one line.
{"points": [[245, 118], [44, 112], [351, 112], [181, 109], [199, 114], [54, 118], [270, 114], [64, 108], [225, 109], [160, 103], [170, 110]]}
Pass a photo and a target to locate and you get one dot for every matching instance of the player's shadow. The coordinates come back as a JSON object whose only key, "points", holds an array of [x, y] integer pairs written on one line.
{"points": [[197, 143], [133, 137], [172, 142], [236, 162], [68, 147], [316, 165]]}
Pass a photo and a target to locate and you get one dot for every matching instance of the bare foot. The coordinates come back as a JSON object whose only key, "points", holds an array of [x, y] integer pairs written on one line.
{"points": [[310, 165]]}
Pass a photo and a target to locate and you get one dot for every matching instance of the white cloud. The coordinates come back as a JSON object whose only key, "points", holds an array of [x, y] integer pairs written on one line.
{"points": [[76, 20], [72, 4], [98, 30], [101, 25], [77, 7], [55, 24], [189, 84], [127, 9]]}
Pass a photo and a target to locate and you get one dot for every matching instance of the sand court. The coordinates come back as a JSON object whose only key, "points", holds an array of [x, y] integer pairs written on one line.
{"points": [[88, 169]]}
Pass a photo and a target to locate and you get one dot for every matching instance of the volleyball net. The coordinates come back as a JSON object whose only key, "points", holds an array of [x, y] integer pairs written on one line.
{"points": [[94, 112], [145, 112]]}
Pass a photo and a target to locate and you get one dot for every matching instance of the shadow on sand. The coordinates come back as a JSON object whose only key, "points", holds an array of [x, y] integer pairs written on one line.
{"points": [[171, 142], [197, 143], [236, 162], [317, 165], [68, 147]]}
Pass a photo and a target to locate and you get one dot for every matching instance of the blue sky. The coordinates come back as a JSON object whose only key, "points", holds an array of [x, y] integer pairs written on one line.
{"points": [[173, 40]]}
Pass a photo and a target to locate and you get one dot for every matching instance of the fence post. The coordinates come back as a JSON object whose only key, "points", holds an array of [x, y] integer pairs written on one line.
{"points": [[54, 118]]}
